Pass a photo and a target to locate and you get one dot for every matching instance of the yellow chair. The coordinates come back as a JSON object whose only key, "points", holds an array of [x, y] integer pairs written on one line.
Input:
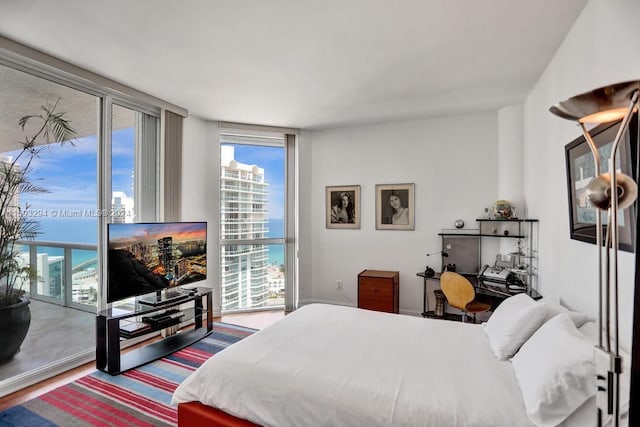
{"points": [[460, 294]]}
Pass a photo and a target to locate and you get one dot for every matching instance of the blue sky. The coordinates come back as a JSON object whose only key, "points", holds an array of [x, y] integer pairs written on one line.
{"points": [[271, 159], [69, 173]]}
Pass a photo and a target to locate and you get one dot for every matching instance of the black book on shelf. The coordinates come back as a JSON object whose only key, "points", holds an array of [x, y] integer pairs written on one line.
{"points": [[165, 323], [130, 330], [165, 299], [163, 317]]}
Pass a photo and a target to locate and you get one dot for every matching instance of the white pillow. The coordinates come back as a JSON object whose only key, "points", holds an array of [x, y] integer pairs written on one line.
{"points": [[553, 309], [512, 323], [555, 371]]}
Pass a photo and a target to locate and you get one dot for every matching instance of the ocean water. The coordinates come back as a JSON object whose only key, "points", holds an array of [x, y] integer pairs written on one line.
{"points": [[276, 252], [73, 230]]}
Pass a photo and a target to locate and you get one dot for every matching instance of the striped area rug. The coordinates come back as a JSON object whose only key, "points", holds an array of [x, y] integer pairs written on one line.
{"points": [[139, 397]]}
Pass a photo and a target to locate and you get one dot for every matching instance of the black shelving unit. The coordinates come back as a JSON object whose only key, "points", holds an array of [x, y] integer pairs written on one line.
{"points": [[521, 234], [109, 337], [522, 230], [525, 233]]}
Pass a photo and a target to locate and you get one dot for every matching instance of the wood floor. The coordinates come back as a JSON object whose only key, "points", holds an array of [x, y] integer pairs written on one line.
{"points": [[255, 320]]}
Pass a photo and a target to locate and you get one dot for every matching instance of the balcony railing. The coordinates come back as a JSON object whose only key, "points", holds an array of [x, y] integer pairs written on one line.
{"points": [[67, 273], [245, 220], [228, 198], [226, 210]]}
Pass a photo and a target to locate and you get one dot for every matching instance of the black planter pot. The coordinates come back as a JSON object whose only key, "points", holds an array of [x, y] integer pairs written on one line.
{"points": [[14, 325]]}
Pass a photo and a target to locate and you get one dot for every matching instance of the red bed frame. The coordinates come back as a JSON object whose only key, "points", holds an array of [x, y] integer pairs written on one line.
{"points": [[196, 414]]}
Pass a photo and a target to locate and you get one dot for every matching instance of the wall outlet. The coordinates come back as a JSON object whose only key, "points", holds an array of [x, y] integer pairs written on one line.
{"points": [[339, 285]]}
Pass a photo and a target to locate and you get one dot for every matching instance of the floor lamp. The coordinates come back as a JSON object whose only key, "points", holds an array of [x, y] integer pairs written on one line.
{"points": [[602, 105]]}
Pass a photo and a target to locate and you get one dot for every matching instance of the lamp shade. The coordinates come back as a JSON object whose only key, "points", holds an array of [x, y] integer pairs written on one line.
{"points": [[599, 191], [605, 104]]}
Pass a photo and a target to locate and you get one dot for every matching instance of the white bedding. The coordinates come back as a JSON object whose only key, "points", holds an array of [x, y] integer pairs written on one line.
{"points": [[326, 365]]}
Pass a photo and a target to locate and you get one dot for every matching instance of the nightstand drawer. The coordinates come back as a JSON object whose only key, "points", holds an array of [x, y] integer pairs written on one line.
{"points": [[378, 290]]}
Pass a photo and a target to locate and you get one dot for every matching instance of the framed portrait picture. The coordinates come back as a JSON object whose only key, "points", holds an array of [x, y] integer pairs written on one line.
{"points": [[394, 207], [581, 170], [342, 206]]}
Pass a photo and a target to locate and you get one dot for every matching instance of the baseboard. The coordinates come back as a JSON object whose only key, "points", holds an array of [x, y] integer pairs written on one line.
{"points": [[26, 379]]}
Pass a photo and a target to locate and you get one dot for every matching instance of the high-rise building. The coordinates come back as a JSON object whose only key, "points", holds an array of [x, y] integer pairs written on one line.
{"points": [[122, 208], [243, 216], [165, 256]]}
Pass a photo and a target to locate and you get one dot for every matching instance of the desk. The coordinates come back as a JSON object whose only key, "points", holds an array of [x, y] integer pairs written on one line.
{"points": [[501, 291], [493, 294]]}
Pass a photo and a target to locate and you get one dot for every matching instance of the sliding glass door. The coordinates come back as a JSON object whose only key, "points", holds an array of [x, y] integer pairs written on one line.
{"points": [[107, 173]]}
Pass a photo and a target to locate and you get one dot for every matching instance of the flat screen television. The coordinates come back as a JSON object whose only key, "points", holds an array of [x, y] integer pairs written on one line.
{"points": [[149, 257]]}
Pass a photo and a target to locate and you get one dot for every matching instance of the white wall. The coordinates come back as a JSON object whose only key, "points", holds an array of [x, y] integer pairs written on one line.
{"points": [[200, 190], [602, 48], [452, 161], [510, 156]]}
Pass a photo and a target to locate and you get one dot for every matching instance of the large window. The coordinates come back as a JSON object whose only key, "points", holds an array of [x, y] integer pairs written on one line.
{"points": [[252, 221], [107, 173], [64, 253], [134, 164]]}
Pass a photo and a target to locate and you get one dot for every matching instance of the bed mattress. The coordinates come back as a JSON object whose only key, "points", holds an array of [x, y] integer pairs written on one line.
{"points": [[327, 365]]}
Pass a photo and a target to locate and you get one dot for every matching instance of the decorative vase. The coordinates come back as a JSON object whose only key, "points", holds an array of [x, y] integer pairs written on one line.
{"points": [[439, 311], [14, 325], [502, 209]]}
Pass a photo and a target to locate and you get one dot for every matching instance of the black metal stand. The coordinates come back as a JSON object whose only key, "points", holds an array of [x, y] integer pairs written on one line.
{"points": [[425, 305], [108, 335]]}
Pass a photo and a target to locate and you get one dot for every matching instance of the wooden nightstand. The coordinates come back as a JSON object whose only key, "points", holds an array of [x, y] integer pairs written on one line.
{"points": [[379, 290]]}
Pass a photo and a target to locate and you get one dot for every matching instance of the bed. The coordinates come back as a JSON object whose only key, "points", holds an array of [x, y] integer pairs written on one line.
{"points": [[328, 365]]}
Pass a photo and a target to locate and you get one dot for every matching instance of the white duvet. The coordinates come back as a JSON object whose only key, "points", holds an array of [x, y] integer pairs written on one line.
{"points": [[326, 365]]}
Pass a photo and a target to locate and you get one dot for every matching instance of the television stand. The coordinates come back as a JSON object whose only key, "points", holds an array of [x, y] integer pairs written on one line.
{"points": [[166, 297], [109, 334]]}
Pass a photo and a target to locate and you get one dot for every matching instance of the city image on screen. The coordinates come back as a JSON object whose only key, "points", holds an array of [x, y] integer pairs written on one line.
{"points": [[149, 257]]}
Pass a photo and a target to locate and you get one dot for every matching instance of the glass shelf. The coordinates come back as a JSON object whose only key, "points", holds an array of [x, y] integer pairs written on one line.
{"points": [[508, 236], [521, 255], [506, 220]]}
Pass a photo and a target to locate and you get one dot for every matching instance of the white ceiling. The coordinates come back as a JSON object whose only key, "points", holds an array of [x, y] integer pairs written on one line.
{"points": [[302, 63]]}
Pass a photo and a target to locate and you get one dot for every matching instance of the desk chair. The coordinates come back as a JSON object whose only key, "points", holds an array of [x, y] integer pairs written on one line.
{"points": [[460, 294]]}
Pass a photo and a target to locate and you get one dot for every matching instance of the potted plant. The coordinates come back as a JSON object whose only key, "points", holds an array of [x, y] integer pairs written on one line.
{"points": [[39, 130]]}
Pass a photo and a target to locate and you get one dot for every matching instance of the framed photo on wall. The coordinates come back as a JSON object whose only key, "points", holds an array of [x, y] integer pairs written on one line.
{"points": [[342, 206], [394, 207], [581, 170]]}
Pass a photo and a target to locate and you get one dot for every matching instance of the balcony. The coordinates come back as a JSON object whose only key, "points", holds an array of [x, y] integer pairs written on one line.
{"points": [[55, 263], [62, 330], [56, 335]]}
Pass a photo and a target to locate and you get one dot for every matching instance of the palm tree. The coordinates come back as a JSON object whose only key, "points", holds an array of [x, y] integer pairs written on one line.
{"points": [[49, 126]]}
